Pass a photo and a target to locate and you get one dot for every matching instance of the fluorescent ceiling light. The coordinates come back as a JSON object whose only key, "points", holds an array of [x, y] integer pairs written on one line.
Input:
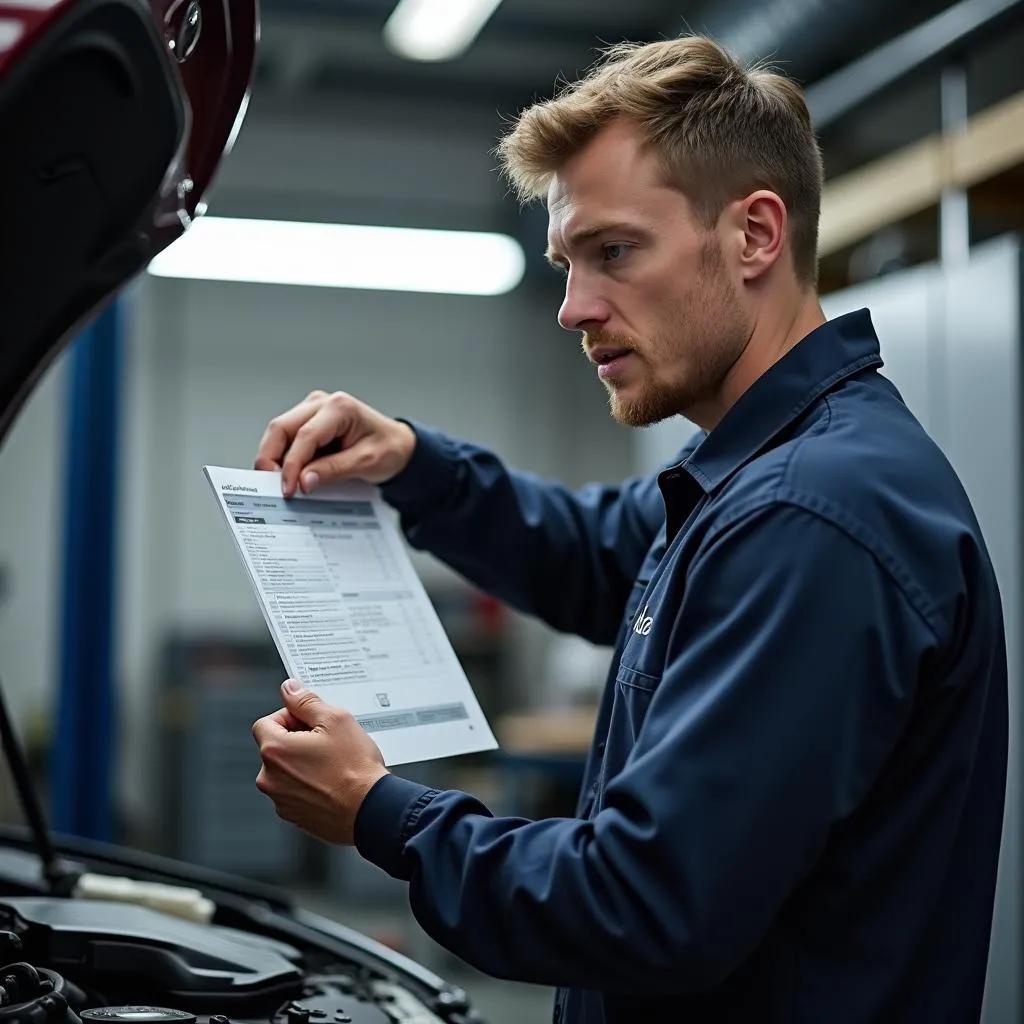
{"points": [[344, 256], [436, 29]]}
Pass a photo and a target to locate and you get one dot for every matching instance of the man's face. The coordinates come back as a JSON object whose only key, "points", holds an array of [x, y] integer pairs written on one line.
{"points": [[648, 287]]}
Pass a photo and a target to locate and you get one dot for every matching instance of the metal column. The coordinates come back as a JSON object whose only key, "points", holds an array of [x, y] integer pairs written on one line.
{"points": [[954, 212], [85, 733]]}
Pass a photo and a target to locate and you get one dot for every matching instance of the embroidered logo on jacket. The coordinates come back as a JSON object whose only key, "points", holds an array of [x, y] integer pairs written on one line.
{"points": [[643, 623]]}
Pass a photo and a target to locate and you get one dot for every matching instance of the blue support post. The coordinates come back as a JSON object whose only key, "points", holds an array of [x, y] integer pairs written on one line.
{"points": [[85, 733]]}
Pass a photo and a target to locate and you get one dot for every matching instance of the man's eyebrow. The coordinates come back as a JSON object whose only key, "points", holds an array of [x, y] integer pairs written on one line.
{"points": [[577, 238], [554, 258]]}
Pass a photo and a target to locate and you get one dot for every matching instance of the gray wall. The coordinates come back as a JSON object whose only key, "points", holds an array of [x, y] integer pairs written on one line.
{"points": [[367, 161], [656, 446], [31, 520]]}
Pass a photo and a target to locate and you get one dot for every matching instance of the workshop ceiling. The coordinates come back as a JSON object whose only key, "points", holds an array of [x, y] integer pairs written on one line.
{"points": [[323, 50]]}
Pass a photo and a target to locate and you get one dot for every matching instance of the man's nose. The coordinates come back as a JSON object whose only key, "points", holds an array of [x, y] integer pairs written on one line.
{"points": [[582, 307]]}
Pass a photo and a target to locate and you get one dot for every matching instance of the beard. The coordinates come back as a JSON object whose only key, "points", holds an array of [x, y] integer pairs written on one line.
{"points": [[684, 366]]}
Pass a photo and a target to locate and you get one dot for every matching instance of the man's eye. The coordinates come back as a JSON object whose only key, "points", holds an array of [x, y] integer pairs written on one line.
{"points": [[613, 252]]}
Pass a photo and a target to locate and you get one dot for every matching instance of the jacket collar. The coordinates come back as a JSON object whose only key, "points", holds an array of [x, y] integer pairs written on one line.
{"points": [[836, 350]]}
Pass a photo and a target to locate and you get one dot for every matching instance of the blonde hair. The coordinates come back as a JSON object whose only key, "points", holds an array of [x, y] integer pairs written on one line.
{"points": [[723, 131]]}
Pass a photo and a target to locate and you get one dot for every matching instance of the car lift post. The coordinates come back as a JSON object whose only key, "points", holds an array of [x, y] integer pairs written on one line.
{"points": [[85, 734]]}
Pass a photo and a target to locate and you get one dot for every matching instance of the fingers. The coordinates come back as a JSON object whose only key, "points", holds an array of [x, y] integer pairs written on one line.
{"points": [[282, 429], [264, 729], [331, 420], [331, 437], [306, 706], [286, 720], [352, 463], [274, 726]]}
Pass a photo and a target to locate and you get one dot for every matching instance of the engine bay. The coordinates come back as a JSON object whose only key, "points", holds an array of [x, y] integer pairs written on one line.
{"points": [[67, 961]]}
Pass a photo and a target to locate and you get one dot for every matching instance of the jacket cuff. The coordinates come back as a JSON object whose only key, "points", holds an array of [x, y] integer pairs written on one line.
{"points": [[430, 475], [386, 820]]}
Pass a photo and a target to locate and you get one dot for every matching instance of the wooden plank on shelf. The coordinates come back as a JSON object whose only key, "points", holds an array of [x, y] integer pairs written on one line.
{"points": [[862, 202], [993, 143], [549, 732]]}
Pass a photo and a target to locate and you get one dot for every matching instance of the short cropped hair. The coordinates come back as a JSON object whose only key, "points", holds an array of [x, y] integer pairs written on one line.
{"points": [[723, 131]]}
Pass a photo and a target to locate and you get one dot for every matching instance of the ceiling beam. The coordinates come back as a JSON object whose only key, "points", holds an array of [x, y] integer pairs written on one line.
{"points": [[922, 47]]}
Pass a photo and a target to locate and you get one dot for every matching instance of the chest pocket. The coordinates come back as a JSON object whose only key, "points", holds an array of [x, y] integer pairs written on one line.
{"points": [[646, 628], [652, 611], [633, 693]]}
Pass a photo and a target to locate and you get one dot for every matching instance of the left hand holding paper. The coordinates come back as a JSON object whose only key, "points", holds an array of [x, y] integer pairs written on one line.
{"points": [[318, 764]]}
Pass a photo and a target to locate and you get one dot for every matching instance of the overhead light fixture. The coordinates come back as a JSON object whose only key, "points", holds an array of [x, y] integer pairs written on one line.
{"points": [[432, 30], [344, 256]]}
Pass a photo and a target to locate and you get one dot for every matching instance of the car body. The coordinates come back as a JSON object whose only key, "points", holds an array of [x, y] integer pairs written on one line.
{"points": [[114, 117]]}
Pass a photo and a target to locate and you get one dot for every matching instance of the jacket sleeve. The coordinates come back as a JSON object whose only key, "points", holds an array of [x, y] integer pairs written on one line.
{"points": [[566, 557], [790, 678]]}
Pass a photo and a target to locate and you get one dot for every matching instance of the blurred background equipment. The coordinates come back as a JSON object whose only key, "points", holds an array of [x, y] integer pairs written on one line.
{"points": [[212, 689], [358, 238]]}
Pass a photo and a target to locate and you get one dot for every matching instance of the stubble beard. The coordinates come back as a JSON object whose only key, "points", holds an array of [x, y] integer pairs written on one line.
{"points": [[700, 345]]}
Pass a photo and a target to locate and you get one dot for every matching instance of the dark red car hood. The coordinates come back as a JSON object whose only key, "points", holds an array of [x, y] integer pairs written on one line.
{"points": [[114, 116]]}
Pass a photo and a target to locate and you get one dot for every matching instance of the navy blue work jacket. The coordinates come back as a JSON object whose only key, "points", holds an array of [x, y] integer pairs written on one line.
{"points": [[793, 806]]}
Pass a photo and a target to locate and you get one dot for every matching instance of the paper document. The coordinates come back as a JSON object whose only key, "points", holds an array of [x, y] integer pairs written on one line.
{"points": [[349, 614]]}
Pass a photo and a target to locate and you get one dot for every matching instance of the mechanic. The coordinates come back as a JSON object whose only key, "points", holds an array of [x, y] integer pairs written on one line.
{"points": [[793, 806]]}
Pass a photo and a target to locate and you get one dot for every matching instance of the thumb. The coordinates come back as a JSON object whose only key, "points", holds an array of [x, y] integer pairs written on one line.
{"points": [[304, 704]]}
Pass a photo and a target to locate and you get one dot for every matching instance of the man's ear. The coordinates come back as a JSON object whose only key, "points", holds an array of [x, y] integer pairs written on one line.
{"points": [[762, 222]]}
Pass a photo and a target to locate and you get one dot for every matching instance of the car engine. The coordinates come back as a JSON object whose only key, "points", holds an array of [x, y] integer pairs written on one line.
{"points": [[92, 962]]}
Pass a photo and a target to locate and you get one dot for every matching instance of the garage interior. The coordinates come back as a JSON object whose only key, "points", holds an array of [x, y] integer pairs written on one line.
{"points": [[920, 112]]}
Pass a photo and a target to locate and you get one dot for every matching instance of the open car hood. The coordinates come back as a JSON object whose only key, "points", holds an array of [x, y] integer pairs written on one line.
{"points": [[114, 116]]}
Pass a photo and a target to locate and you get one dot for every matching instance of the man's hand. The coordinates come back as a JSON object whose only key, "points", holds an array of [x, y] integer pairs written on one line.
{"points": [[318, 764], [372, 447]]}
